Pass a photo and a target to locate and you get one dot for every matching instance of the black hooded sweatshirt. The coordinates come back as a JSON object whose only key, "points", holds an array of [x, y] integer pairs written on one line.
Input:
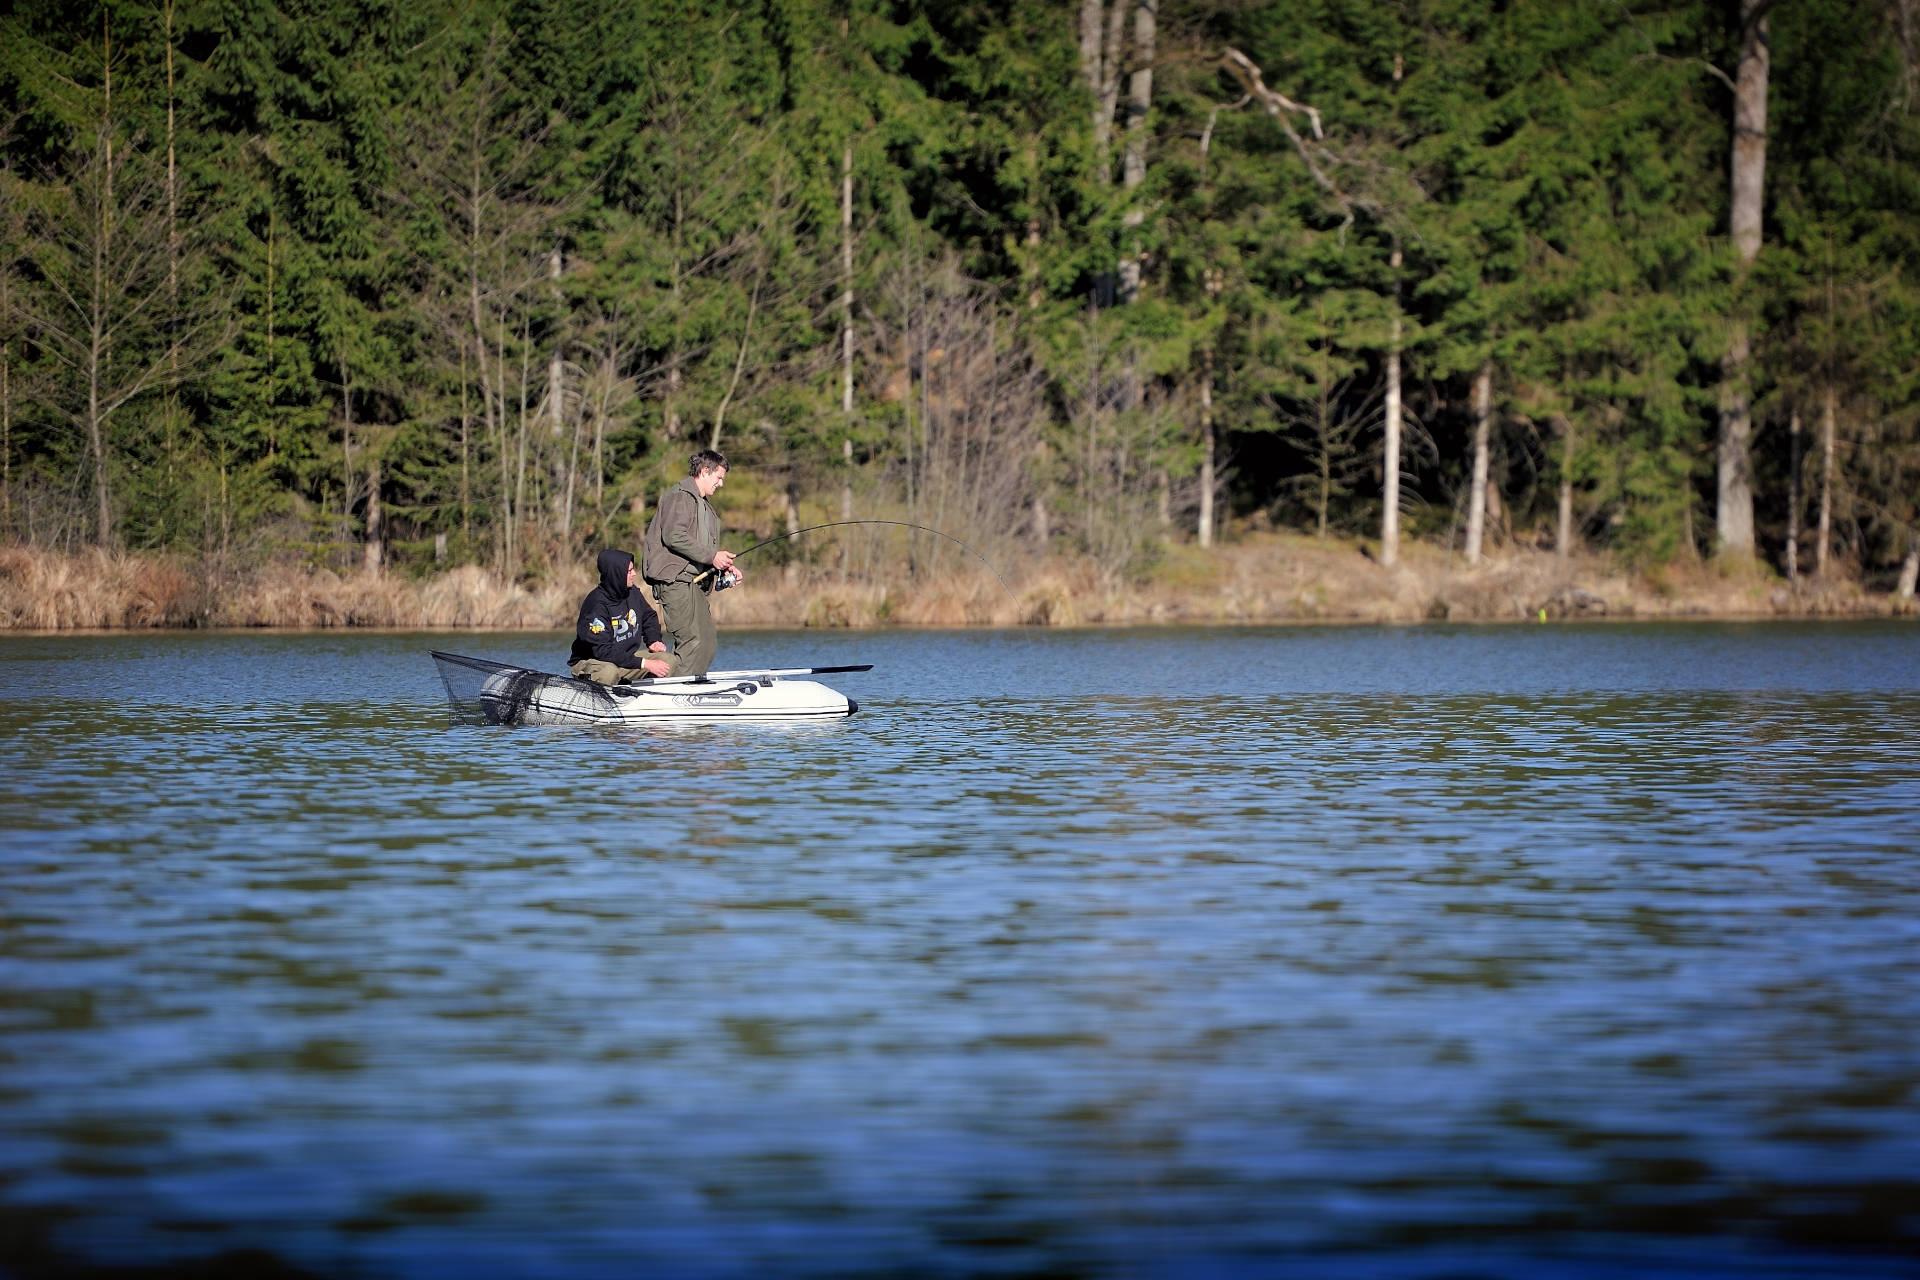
{"points": [[616, 622]]}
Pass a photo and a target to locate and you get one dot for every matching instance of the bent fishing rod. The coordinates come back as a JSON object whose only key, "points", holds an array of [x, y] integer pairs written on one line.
{"points": [[839, 524]]}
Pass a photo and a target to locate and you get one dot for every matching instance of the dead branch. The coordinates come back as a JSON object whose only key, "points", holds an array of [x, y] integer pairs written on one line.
{"points": [[1282, 108]]}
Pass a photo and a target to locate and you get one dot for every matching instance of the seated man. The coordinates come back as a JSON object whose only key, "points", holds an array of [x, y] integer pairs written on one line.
{"points": [[618, 636]]}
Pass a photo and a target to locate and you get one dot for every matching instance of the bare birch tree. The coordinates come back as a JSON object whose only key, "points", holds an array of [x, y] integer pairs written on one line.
{"points": [[1102, 40], [1482, 437], [1829, 417], [1214, 284], [1103, 29], [1563, 530], [1390, 448], [969, 392], [1734, 462], [1134, 162], [846, 328], [12, 239], [1795, 498]]}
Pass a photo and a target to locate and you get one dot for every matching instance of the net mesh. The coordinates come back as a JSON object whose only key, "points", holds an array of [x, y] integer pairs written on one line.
{"points": [[483, 692]]}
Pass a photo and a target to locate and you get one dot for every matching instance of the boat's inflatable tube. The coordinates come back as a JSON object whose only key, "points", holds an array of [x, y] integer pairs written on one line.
{"points": [[486, 692], [508, 699]]}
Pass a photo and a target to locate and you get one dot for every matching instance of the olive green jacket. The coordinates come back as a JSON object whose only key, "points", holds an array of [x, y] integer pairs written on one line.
{"points": [[683, 536]]}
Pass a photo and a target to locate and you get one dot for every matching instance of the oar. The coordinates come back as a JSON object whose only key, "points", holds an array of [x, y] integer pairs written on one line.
{"points": [[733, 677]]}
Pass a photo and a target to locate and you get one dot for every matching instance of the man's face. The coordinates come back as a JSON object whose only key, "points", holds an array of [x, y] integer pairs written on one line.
{"points": [[709, 482]]}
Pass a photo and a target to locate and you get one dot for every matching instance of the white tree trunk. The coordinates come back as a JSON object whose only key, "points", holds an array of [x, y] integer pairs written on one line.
{"points": [[1109, 98], [106, 99], [6, 400], [97, 447], [1322, 447], [96, 365], [1734, 515], [373, 555], [1390, 487], [6, 418], [1750, 130], [466, 453], [173, 252], [1092, 25], [521, 431], [1733, 518], [846, 281], [573, 473], [1823, 538], [1134, 165], [793, 524], [1482, 438], [346, 448], [556, 370], [1563, 536], [846, 329], [1793, 496], [1204, 530], [1909, 572], [492, 403], [562, 459]]}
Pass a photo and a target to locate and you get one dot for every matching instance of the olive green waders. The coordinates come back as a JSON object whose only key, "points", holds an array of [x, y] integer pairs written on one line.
{"points": [[686, 615]]}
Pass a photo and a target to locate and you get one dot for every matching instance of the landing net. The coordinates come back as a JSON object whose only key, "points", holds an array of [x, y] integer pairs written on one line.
{"points": [[483, 692]]}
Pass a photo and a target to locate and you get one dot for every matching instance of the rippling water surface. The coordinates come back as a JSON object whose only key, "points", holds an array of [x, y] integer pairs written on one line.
{"points": [[1406, 952]]}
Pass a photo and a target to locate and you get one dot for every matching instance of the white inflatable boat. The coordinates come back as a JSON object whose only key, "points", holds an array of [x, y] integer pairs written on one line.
{"points": [[497, 693]]}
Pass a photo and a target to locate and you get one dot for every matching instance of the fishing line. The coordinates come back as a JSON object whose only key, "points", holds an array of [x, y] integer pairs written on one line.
{"points": [[904, 524]]}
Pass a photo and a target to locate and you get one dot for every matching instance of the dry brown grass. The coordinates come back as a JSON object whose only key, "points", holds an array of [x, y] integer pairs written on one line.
{"points": [[462, 598], [1284, 577], [95, 589], [824, 599], [1262, 577]]}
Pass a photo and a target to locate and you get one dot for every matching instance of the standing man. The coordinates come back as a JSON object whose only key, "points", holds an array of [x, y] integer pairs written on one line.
{"points": [[684, 560], [618, 636]]}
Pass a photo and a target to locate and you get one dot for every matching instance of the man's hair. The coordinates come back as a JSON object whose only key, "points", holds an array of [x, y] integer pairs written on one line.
{"points": [[706, 460]]}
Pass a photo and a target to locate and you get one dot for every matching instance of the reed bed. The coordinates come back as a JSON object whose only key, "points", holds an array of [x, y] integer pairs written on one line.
{"points": [[1264, 578], [827, 600], [94, 590], [464, 598]]}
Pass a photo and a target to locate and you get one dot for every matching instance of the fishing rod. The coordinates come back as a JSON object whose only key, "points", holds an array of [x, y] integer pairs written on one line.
{"points": [[839, 524]]}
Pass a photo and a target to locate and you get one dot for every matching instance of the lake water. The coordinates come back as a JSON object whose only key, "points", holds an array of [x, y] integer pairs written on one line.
{"points": [[1553, 951]]}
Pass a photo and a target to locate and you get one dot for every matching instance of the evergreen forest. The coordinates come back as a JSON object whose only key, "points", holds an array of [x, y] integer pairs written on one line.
{"points": [[398, 285]]}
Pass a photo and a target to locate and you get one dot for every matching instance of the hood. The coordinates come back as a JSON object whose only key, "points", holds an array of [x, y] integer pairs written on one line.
{"points": [[613, 572]]}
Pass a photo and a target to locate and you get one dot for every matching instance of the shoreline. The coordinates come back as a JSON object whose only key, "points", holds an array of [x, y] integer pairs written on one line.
{"points": [[1622, 620], [1263, 579]]}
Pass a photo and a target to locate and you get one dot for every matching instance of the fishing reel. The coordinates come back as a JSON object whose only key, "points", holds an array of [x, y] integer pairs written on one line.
{"points": [[721, 581]]}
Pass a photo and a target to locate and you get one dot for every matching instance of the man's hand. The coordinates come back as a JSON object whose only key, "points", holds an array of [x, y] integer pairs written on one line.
{"points": [[655, 666], [723, 560], [658, 646]]}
